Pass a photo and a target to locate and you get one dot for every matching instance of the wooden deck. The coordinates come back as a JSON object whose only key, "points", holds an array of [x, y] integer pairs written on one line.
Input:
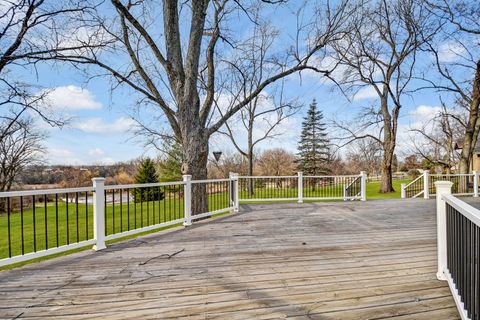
{"points": [[352, 260]]}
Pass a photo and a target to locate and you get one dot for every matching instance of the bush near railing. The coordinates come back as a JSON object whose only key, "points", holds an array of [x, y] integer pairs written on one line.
{"points": [[37, 223]]}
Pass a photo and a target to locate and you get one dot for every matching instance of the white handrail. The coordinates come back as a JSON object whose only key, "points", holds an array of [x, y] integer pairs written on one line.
{"points": [[471, 213], [419, 177], [210, 180], [144, 185], [10, 194], [266, 177], [451, 175]]}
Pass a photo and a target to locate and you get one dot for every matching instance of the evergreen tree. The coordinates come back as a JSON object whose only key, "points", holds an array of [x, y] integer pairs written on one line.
{"points": [[147, 173], [170, 166], [314, 145]]}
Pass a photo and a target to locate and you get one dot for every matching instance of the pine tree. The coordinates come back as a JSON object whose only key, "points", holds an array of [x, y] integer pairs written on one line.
{"points": [[170, 166], [314, 145], [147, 173]]}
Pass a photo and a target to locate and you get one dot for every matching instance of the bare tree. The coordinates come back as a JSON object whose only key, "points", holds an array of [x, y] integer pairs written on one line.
{"points": [[32, 31], [380, 55], [436, 139], [276, 162], [174, 64], [364, 155], [458, 41], [261, 118], [19, 148]]}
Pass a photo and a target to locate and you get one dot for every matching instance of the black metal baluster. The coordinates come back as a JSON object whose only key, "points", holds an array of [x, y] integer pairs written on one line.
{"points": [[148, 206], [56, 218], [141, 208], [154, 198], [105, 217], [159, 199], [34, 225], [165, 204], [9, 231], [86, 215], [113, 211], [46, 218], [21, 223], [76, 215], [68, 225], [174, 207], [121, 210], [128, 208], [135, 208]]}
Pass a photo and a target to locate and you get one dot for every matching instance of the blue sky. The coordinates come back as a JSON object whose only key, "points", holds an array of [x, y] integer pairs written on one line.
{"points": [[98, 130]]}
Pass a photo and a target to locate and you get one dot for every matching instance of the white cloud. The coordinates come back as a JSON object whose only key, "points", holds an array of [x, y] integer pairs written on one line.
{"points": [[63, 156], [96, 152], [423, 114], [365, 93], [98, 125], [450, 52], [72, 98]]}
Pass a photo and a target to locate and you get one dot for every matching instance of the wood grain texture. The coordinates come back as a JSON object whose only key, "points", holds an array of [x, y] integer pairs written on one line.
{"points": [[344, 260]]}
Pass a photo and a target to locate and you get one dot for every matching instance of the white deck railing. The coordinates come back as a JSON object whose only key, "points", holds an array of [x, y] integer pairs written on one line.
{"points": [[300, 187], [38, 223], [463, 185], [458, 236]]}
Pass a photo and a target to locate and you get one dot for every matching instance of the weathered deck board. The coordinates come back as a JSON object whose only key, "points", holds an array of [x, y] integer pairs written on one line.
{"points": [[352, 260]]}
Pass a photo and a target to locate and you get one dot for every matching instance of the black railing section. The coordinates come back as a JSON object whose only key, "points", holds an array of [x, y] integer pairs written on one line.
{"points": [[326, 186], [251, 188], [130, 208], [218, 193], [461, 183], [463, 259], [354, 188], [31, 223], [415, 187]]}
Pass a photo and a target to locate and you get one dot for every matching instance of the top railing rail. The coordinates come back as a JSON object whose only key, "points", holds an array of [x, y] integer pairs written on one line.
{"points": [[468, 211], [26, 193], [412, 182]]}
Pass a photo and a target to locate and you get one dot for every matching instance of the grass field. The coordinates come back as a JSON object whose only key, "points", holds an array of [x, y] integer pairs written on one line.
{"points": [[62, 228], [373, 190]]}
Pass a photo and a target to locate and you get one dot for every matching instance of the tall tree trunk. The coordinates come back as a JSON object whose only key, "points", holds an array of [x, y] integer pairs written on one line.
{"points": [[195, 148], [386, 184], [389, 140], [472, 130], [250, 171]]}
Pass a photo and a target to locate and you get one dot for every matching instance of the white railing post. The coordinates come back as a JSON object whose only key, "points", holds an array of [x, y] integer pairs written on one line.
{"points": [[363, 186], [442, 188], [426, 182], [99, 213], [187, 198], [300, 187], [235, 191], [403, 192], [475, 184]]}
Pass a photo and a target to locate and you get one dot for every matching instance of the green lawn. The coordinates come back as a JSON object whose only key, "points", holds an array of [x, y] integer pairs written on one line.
{"points": [[373, 190]]}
